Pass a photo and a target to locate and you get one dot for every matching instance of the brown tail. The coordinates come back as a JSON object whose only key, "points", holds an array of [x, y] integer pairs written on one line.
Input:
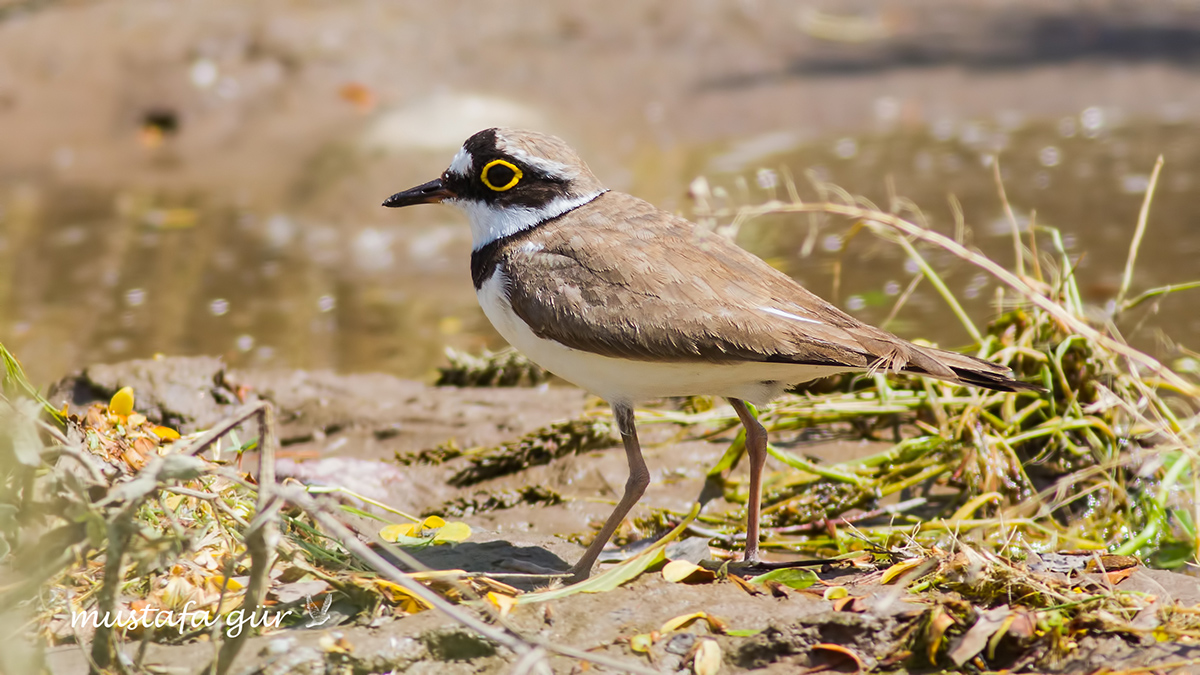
{"points": [[967, 370], [899, 355]]}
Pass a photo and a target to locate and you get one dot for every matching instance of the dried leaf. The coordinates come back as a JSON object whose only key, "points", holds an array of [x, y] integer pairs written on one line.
{"points": [[334, 645], [504, 603], [641, 643], [896, 571], [777, 589], [715, 624], [1112, 563], [939, 621], [394, 532], [681, 621], [850, 604], [836, 657], [1118, 576], [400, 595], [977, 637], [166, 433], [232, 584], [145, 446], [452, 533], [122, 402], [745, 585], [835, 593], [134, 455], [1020, 625], [678, 571], [708, 658]]}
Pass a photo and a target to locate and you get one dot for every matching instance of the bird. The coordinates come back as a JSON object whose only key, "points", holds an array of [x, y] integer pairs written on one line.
{"points": [[633, 303]]}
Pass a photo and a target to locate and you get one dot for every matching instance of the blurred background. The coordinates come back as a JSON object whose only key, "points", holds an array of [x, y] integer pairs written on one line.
{"points": [[205, 177]]}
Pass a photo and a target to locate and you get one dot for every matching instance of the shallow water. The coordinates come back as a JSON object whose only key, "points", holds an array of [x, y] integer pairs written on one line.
{"points": [[221, 195], [103, 276]]}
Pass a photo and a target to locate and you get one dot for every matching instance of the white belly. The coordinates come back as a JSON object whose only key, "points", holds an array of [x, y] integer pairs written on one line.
{"points": [[626, 381]]}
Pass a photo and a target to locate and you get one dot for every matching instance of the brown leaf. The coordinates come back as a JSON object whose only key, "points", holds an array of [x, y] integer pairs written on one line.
{"points": [[1022, 626], [850, 603], [939, 621], [976, 638], [1112, 563], [682, 571], [826, 657], [1118, 576], [741, 583], [145, 445], [681, 621], [777, 589], [898, 570], [133, 457]]}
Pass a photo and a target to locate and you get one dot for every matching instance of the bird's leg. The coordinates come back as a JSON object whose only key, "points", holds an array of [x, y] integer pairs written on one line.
{"points": [[756, 448], [639, 478]]}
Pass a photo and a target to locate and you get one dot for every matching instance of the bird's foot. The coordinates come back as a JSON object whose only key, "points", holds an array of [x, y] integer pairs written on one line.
{"points": [[578, 573]]}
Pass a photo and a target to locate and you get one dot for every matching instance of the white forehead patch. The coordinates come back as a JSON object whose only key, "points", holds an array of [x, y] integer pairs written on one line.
{"points": [[462, 163]]}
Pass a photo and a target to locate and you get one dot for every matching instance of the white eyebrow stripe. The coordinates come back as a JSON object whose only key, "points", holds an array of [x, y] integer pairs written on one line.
{"points": [[789, 315], [461, 164], [549, 167]]}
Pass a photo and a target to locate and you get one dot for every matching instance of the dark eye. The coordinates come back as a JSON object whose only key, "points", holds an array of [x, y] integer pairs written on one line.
{"points": [[500, 175]]}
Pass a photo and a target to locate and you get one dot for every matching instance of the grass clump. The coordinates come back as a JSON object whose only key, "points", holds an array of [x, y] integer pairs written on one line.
{"points": [[506, 368], [1108, 458]]}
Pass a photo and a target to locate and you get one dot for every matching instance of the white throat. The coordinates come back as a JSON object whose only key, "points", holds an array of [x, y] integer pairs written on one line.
{"points": [[489, 223]]}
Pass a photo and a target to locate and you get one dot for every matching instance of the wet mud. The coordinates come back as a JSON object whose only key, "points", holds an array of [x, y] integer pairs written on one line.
{"points": [[366, 422]]}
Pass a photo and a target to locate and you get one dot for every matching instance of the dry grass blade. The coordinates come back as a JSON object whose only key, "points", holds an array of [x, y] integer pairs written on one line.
{"points": [[1018, 251], [1139, 232]]}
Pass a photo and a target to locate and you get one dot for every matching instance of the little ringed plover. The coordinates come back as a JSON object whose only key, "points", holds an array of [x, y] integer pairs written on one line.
{"points": [[633, 303]]}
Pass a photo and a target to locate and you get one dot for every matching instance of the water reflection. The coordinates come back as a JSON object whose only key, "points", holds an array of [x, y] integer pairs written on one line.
{"points": [[90, 275]]}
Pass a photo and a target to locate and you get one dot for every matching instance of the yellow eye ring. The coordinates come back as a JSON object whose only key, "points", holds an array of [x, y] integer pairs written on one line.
{"points": [[516, 177]]}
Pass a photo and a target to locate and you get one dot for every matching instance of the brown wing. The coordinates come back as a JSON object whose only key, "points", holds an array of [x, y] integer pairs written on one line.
{"points": [[697, 297]]}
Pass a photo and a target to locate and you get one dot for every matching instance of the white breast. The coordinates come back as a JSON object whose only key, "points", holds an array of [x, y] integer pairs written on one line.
{"points": [[627, 381]]}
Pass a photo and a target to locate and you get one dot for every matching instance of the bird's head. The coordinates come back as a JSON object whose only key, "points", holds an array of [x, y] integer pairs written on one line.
{"points": [[508, 180]]}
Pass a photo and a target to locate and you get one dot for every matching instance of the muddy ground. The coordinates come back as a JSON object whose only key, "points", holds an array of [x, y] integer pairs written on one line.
{"points": [[349, 429]]}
